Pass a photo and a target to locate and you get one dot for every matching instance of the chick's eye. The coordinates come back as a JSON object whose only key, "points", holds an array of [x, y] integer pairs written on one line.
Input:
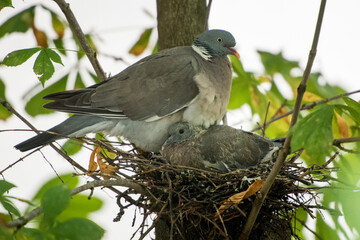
{"points": [[181, 131], [219, 39]]}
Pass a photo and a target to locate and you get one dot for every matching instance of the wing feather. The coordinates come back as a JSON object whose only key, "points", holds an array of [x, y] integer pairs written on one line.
{"points": [[152, 88]]}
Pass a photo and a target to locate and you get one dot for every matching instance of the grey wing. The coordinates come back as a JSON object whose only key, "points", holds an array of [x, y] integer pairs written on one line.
{"points": [[150, 89]]}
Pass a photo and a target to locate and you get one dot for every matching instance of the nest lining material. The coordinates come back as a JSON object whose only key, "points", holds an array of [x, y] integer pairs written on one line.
{"points": [[186, 200]]}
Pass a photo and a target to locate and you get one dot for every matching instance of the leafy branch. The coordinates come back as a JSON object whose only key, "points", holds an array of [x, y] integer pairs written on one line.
{"points": [[285, 150], [61, 153], [338, 142], [91, 185], [306, 106], [90, 53]]}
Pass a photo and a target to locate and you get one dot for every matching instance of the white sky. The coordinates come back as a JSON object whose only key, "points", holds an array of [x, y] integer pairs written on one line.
{"points": [[277, 25]]}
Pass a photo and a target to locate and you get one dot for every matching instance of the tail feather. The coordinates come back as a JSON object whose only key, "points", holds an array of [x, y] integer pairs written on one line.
{"points": [[66, 128], [37, 141]]}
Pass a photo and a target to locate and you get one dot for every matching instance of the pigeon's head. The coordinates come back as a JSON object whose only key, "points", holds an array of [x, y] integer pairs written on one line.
{"points": [[215, 43], [180, 132]]}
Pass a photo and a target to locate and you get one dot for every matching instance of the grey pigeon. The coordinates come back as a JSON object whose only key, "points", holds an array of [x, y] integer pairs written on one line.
{"points": [[220, 147], [189, 83]]}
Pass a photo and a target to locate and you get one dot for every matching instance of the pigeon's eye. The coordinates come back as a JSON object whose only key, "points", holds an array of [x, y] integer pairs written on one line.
{"points": [[181, 131], [219, 39]]}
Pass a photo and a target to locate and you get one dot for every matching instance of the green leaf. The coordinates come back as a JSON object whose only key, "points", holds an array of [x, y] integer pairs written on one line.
{"points": [[353, 114], [324, 230], [240, 93], [79, 84], [348, 198], [43, 67], [298, 227], [94, 77], [142, 43], [276, 63], [33, 234], [237, 66], [5, 186], [80, 206], [18, 57], [4, 113], [57, 25], [68, 179], [78, 229], [54, 201], [34, 105], [59, 44], [322, 90], [6, 3], [314, 132], [6, 233], [9, 206], [71, 147], [53, 56], [21, 22], [354, 108], [241, 85]]}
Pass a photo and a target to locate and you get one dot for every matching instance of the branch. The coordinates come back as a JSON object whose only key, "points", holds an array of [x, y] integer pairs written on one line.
{"points": [[345, 140], [90, 53], [99, 183], [339, 141], [25, 219], [306, 106], [208, 7], [111, 182], [284, 151], [66, 157]]}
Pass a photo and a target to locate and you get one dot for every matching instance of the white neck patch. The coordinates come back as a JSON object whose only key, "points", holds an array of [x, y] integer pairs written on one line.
{"points": [[202, 52]]}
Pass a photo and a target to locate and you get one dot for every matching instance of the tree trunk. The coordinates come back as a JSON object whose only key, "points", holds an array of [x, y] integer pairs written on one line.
{"points": [[179, 21]]}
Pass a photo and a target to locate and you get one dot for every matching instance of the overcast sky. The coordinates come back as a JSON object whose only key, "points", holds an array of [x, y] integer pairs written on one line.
{"points": [[277, 25]]}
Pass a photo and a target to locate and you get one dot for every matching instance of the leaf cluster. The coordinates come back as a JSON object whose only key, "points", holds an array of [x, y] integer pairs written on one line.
{"points": [[64, 216]]}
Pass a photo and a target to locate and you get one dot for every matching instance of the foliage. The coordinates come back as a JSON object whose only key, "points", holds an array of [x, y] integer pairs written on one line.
{"points": [[65, 217], [49, 50]]}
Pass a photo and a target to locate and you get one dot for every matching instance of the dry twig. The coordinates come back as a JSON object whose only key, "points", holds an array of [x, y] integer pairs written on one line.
{"points": [[90, 53], [285, 150]]}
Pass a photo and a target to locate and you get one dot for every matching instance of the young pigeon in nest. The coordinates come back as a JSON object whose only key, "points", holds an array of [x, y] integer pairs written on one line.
{"points": [[220, 147]]}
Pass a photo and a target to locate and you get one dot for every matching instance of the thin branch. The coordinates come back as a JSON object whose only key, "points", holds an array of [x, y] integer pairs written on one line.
{"points": [[347, 150], [337, 143], [99, 183], [25, 219], [312, 231], [208, 7], [345, 140], [284, 151], [12, 110], [143, 235], [90, 53], [307, 106], [66, 157], [110, 182], [16, 162]]}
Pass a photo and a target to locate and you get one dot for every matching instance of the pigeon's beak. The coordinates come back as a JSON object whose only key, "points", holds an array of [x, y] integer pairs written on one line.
{"points": [[234, 52]]}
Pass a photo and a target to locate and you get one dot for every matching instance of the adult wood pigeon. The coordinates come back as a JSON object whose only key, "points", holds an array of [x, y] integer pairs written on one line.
{"points": [[189, 83], [220, 147]]}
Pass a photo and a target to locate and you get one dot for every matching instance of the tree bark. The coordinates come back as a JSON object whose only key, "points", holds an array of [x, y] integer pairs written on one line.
{"points": [[179, 21]]}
